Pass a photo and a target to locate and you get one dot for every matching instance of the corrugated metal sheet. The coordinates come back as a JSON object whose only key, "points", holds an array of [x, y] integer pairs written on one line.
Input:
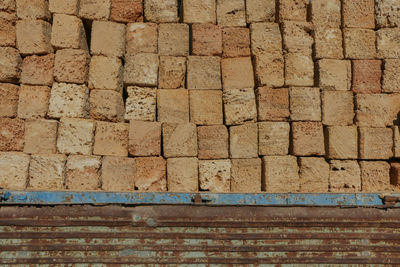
{"points": [[198, 235]]}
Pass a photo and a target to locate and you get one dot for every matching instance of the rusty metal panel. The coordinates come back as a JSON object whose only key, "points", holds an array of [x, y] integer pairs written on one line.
{"points": [[198, 236]]}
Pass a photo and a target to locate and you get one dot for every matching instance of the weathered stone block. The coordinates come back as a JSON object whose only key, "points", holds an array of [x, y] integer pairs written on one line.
{"points": [[213, 142], [233, 70], [266, 39], [260, 11], [328, 42], [239, 106], [8, 99], [173, 39], [299, 70], [71, 66], [11, 134], [40, 136], [161, 11], [280, 174], [341, 142], [231, 13], [215, 175], [272, 104], [391, 79], [141, 38], [141, 69], [375, 176], [367, 76], [235, 42], [82, 173], [359, 43], [106, 105], [68, 32], [173, 105], [326, 13], [106, 73], [33, 101], [144, 138], [75, 136], [7, 31], [108, 39], [395, 173], [292, 10], [387, 13], [308, 139], [32, 9], [396, 142], [13, 170], [246, 175], [375, 143], [182, 174], [305, 104], [375, 110], [126, 10], [172, 72], [314, 175], [111, 139], [387, 45], [334, 74], [297, 37], [203, 72], [46, 172], [69, 7], [94, 9], [7, 5], [273, 138], [359, 14], [124, 181], [179, 140], [150, 174], [205, 107], [38, 70], [243, 141], [269, 70], [199, 12], [337, 107], [344, 176], [10, 64], [206, 40], [141, 103]]}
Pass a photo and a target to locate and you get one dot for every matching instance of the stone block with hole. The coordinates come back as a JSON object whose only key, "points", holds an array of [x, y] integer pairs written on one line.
{"points": [[344, 176]]}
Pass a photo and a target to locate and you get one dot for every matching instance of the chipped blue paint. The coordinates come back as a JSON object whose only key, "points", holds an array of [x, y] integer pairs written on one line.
{"points": [[147, 198]]}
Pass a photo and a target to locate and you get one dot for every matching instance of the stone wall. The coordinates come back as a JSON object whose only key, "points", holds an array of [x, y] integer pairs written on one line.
{"points": [[200, 95]]}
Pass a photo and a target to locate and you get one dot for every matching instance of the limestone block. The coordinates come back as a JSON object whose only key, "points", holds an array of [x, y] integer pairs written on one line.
{"points": [[8, 99], [150, 174], [173, 39], [326, 13], [269, 70], [297, 37], [273, 138], [206, 40], [161, 11], [38, 70], [375, 110], [141, 38], [7, 31], [328, 42], [239, 106], [231, 13], [375, 143], [341, 142], [314, 175], [213, 142], [395, 173], [33, 9], [8, 5], [124, 181], [182, 174], [359, 13], [13, 170], [179, 140], [126, 10], [106, 105], [396, 142], [387, 44], [203, 72], [305, 104], [69, 7], [391, 79], [106, 73], [246, 175], [11, 134], [108, 39], [141, 103], [334, 74], [141, 69], [260, 11], [280, 174], [215, 175], [266, 39], [46, 172], [173, 105], [272, 104], [195, 11], [299, 70], [94, 9], [82, 173], [344, 176], [387, 13], [308, 139], [111, 139], [172, 72], [68, 32], [243, 141], [33, 101], [75, 136], [375, 176], [235, 42], [71, 66], [367, 76], [10, 64], [40, 136], [33, 37], [206, 107], [359, 43], [234, 72], [292, 10], [144, 138], [337, 107]]}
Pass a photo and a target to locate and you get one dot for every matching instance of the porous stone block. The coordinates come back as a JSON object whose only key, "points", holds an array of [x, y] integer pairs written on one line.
{"points": [[243, 141], [387, 13], [71, 66], [375, 110], [46, 172], [337, 107], [11, 134], [173, 39], [94, 9], [295, 10], [326, 13], [141, 103], [387, 44], [334, 74], [195, 11], [314, 175], [215, 175], [396, 142], [341, 142], [161, 11], [269, 70], [206, 40], [328, 42], [13, 170], [272, 104], [75, 136], [10, 64], [126, 10], [9, 99], [297, 37], [124, 181], [179, 140], [7, 5], [69, 7], [273, 138], [105, 73], [235, 42], [32, 9], [38, 70], [150, 174], [280, 174], [82, 173], [68, 32], [231, 13], [299, 70], [246, 175], [203, 72], [266, 39], [206, 107], [213, 142], [7, 31], [106, 105], [391, 79], [108, 39], [359, 43], [144, 138], [308, 139], [375, 143], [33, 101], [239, 106], [344, 176], [172, 72], [182, 174], [40, 136], [235, 73], [375, 176], [260, 11], [395, 173], [359, 13], [141, 38], [173, 105], [141, 69], [111, 139], [305, 104], [68, 100], [367, 76]]}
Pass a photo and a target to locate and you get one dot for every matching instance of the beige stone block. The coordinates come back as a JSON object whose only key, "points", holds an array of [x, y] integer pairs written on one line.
{"points": [[150, 174], [237, 73], [297, 37], [69, 7], [260, 11], [269, 70], [359, 43], [33, 101], [367, 76], [375, 110], [141, 38], [394, 173], [273, 138], [295, 10], [173, 39], [387, 13], [71, 66], [173, 105], [235, 42], [206, 40], [326, 13], [334, 74], [305, 104], [106, 105], [391, 79], [266, 39], [299, 70], [8, 99], [75, 136], [203, 72], [195, 11], [141, 103], [182, 174], [213, 142], [111, 139], [172, 72], [82, 173], [272, 104], [359, 13], [243, 141], [11, 134], [94, 9], [328, 42], [337, 108], [13, 170], [33, 9], [375, 143], [308, 139], [215, 175], [10, 64], [7, 5], [124, 181], [341, 142], [38, 70], [105, 73], [108, 39], [387, 44], [314, 175], [7, 31], [68, 100], [344, 176], [280, 174], [375, 176], [46, 172], [40, 136], [246, 175], [239, 106], [179, 140], [231, 13], [68, 32], [206, 107], [161, 11], [144, 138], [126, 10], [141, 69]]}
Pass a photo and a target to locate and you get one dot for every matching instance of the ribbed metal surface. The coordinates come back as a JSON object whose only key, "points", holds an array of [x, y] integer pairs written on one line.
{"points": [[198, 235]]}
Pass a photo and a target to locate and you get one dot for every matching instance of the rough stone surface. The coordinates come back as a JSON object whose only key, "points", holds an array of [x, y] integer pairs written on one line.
{"points": [[71, 66], [141, 69], [326, 13], [150, 174], [387, 13], [243, 141], [75, 136], [195, 11], [337, 107], [10, 64], [359, 43], [126, 10], [231, 13], [7, 31], [235, 42], [395, 173], [46, 172], [141, 103], [269, 70], [344, 176], [173, 39], [215, 175], [246, 175], [179, 140], [367, 76], [8, 5], [69, 7], [213, 142], [273, 138], [106, 73], [40, 136], [391, 79], [106, 105], [183, 174], [32, 9], [280, 174], [11, 134], [141, 38], [144, 138], [161, 11], [299, 70], [108, 39], [260, 11], [94, 10], [297, 37], [33, 101], [173, 105], [38, 70], [396, 142], [292, 10], [9, 99], [13, 170], [33, 37], [272, 104], [314, 175], [206, 40], [375, 110], [375, 176], [233, 70], [375, 143], [341, 142], [328, 42], [305, 104], [239, 106], [124, 181], [68, 32], [172, 72], [111, 139], [308, 139], [266, 39], [82, 173], [334, 74], [387, 44], [206, 107], [203, 72], [359, 13]]}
